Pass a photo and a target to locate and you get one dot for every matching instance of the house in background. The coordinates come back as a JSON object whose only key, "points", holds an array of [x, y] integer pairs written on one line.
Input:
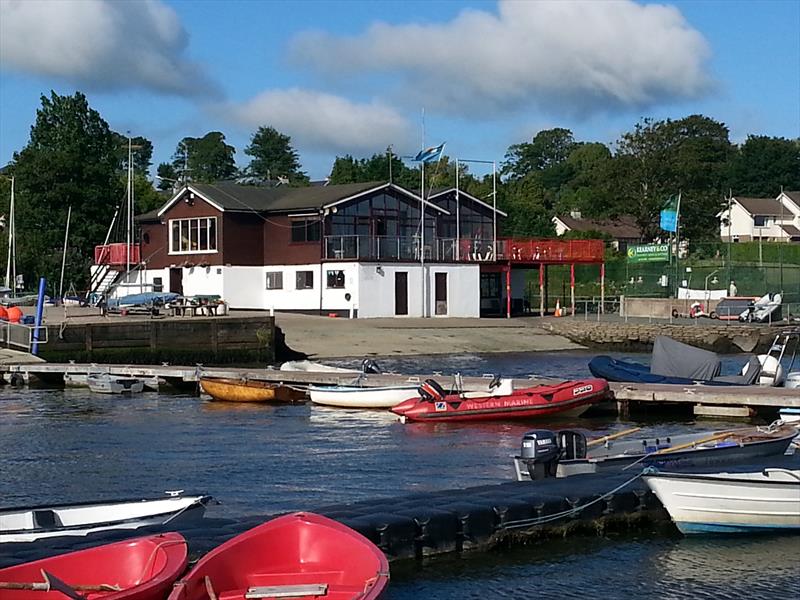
{"points": [[622, 230], [333, 249], [769, 219]]}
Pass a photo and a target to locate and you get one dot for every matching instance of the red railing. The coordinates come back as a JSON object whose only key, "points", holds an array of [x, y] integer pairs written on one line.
{"points": [[116, 254], [543, 251]]}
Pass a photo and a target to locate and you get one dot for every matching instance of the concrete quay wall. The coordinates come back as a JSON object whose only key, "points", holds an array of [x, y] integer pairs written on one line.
{"points": [[620, 335], [214, 340]]}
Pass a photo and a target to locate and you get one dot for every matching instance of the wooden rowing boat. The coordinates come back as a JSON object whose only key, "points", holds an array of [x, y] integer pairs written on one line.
{"points": [[302, 556], [248, 390], [138, 569]]}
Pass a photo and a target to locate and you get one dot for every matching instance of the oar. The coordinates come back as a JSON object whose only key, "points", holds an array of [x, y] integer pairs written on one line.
{"points": [[704, 440], [613, 436], [53, 583]]}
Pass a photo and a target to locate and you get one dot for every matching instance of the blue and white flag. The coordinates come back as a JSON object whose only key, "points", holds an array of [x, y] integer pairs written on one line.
{"points": [[669, 215], [430, 154]]}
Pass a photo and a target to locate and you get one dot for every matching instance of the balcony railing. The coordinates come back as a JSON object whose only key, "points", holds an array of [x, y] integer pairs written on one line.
{"points": [[116, 254], [388, 248]]}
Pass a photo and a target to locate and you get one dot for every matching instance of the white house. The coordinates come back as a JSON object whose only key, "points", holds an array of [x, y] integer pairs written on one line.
{"points": [[747, 219]]}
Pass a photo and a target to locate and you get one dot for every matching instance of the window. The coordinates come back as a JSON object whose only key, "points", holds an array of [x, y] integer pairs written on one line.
{"points": [[305, 280], [274, 280], [760, 221], [336, 279], [193, 236], [158, 284], [306, 230]]}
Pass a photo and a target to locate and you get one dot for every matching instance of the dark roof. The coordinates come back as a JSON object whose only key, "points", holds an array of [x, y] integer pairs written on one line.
{"points": [[791, 230], [622, 227], [795, 197], [760, 206], [253, 198], [149, 216]]}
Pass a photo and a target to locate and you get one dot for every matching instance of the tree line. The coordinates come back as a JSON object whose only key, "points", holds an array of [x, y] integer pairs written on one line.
{"points": [[73, 158]]}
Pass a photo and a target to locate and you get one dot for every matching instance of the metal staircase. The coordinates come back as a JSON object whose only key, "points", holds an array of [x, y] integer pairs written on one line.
{"points": [[101, 282]]}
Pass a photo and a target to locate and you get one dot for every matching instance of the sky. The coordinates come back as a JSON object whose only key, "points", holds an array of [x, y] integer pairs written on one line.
{"points": [[353, 77]]}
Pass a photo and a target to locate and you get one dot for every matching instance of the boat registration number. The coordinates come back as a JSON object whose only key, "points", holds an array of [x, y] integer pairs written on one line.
{"points": [[582, 390]]}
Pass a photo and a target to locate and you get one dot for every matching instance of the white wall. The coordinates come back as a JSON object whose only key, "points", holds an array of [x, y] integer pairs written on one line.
{"points": [[290, 298], [377, 284], [201, 281], [335, 298]]}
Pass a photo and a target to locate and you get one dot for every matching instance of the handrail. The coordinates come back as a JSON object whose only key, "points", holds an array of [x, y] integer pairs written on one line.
{"points": [[22, 336]]}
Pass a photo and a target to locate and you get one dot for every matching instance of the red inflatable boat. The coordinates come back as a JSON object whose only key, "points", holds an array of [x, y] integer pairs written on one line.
{"points": [[568, 399], [139, 569], [296, 556]]}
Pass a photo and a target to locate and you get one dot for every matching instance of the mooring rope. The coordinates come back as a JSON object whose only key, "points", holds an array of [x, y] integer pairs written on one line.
{"points": [[567, 513]]}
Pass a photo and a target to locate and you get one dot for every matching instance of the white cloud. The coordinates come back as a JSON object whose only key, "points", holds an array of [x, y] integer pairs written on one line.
{"points": [[565, 57], [323, 121], [100, 44]]}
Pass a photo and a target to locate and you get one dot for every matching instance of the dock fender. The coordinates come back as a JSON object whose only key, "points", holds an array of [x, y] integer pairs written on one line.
{"points": [[477, 521], [542, 505], [395, 533], [437, 530]]}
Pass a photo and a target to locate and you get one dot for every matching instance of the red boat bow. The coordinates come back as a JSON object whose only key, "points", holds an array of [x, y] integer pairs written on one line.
{"points": [[569, 398], [142, 568], [300, 555]]}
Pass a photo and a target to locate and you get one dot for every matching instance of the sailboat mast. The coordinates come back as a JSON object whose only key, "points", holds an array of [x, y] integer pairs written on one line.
{"points": [[64, 256], [9, 283], [129, 219]]}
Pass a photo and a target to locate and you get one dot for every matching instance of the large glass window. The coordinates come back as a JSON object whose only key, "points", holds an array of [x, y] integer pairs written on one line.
{"points": [[335, 279], [306, 230], [193, 236]]}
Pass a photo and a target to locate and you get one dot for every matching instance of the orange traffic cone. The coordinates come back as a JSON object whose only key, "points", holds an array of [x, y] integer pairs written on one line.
{"points": [[558, 308]]}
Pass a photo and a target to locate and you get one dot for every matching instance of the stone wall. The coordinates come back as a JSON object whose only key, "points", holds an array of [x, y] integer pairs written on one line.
{"points": [[639, 336]]}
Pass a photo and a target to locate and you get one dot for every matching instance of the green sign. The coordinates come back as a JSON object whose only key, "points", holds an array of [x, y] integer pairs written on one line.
{"points": [[648, 253]]}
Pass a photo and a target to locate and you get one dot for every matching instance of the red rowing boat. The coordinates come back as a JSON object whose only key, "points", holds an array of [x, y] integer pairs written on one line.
{"points": [[139, 569], [568, 399], [299, 556]]}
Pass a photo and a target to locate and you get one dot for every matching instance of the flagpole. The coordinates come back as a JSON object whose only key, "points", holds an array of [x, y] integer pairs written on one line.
{"points": [[677, 245], [422, 219]]}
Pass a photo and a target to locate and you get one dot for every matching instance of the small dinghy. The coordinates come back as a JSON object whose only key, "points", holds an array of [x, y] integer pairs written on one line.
{"points": [[139, 569], [758, 502], [565, 453], [367, 366], [298, 556], [568, 399], [248, 390], [353, 396], [105, 383], [80, 380], [33, 523]]}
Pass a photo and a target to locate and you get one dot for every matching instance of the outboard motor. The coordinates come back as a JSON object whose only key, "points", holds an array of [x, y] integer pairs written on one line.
{"points": [[540, 453], [370, 366], [572, 444], [431, 391]]}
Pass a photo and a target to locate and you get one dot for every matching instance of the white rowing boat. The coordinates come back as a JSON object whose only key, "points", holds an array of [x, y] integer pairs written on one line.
{"points": [[350, 396], [105, 383], [730, 502], [33, 523]]}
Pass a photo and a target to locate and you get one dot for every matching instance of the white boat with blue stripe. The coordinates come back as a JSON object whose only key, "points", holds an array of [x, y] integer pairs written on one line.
{"points": [[762, 501]]}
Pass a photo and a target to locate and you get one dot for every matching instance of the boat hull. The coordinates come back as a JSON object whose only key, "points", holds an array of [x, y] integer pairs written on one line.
{"points": [[110, 384], [236, 390], [144, 568], [735, 503], [34, 523], [361, 397], [569, 399], [300, 549]]}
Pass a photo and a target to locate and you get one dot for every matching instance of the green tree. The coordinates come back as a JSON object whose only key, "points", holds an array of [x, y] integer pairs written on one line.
{"points": [[71, 159], [141, 152], [524, 202], [548, 149], [588, 189], [167, 177], [661, 158], [762, 165], [209, 158], [274, 156]]}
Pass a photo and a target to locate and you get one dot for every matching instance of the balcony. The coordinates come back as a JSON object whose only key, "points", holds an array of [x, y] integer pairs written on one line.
{"points": [[514, 250], [116, 254]]}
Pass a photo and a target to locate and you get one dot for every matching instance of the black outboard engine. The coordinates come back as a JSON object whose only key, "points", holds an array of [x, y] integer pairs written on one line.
{"points": [[370, 366], [540, 453], [572, 444], [431, 391]]}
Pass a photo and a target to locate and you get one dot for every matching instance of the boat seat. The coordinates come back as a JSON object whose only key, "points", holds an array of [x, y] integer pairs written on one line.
{"points": [[303, 590], [47, 519]]}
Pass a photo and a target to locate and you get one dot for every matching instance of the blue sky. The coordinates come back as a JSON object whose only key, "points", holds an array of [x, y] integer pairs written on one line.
{"points": [[353, 77]]}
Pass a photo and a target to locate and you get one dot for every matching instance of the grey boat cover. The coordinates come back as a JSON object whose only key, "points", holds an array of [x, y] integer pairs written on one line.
{"points": [[674, 359]]}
